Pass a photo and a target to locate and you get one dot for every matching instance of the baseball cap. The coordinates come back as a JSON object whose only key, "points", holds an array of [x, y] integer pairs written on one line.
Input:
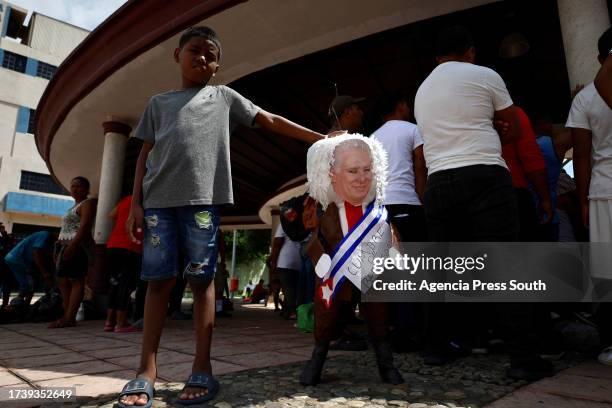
{"points": [[341, 103]]}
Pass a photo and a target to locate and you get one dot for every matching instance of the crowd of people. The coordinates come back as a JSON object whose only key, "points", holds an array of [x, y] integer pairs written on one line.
{"points": [[60, 261], [485, 171], [475, 167]]}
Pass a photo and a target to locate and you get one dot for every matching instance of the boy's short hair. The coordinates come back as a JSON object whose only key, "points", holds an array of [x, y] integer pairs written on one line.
{"points": [[388, 103], [454, 41], [605, 43], [201, 31]]}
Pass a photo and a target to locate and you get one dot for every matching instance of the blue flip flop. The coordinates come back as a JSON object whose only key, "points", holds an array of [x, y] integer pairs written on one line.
{"points": [[200, 380], [135, 387]]}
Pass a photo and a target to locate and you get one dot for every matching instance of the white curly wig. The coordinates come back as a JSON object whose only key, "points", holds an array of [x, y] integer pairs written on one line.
{"points": [[320, 159]]}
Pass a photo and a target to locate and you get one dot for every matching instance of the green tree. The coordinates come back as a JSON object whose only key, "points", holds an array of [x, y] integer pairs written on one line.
{"points": [[250, 245]]}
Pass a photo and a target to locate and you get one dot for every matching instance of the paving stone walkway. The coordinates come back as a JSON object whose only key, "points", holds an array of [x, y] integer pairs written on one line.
{"points": [[257, 357]]}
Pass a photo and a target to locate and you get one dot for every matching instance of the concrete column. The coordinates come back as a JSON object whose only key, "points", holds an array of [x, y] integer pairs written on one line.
{"points": [[582, 23], [111, 176]]}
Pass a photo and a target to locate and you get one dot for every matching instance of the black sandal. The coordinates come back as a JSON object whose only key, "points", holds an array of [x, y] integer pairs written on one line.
{"points": [[137, 386]]}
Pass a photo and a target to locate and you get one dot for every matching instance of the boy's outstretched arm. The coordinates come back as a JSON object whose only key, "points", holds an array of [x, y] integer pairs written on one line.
{"points": [[278, 124], [133, 224]]}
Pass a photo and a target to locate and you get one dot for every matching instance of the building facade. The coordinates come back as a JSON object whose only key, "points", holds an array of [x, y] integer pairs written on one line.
{"points": [[30, 54]]}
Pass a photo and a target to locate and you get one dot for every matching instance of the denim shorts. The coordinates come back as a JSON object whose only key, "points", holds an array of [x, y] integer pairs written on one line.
{"points": [[180, 239]]}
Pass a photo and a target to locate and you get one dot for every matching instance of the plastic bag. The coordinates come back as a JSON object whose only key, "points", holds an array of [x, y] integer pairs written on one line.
{"points": [[305, 317]]}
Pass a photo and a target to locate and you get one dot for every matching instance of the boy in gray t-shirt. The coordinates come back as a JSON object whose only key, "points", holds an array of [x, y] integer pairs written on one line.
{"points": [[182, 177]]}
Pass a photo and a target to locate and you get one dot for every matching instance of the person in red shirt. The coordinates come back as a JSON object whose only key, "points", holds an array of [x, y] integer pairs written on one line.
{"points": [[259, 293], [527, 165], [124, 263]]}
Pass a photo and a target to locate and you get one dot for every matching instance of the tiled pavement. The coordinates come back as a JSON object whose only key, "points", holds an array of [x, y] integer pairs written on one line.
{"points": [[32, 354], [99, 363]]}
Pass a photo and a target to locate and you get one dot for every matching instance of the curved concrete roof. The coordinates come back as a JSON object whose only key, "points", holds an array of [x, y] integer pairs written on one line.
{"points": [[128, 58]]}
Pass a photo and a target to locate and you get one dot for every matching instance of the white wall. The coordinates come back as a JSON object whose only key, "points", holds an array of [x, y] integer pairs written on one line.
{"points": [[50, 41], [8, 118], [20, 89], [54, 37], [25, 147], [10, 175], [22, 49], [10, 172]]}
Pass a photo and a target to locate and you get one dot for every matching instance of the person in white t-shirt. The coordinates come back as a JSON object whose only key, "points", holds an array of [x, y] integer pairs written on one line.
{"points": [[406, 178], [469, 195], [590, 120], [285, 261], [407, 173]]}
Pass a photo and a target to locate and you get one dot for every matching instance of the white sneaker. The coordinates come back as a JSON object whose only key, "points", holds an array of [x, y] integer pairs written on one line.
{"points": [[605, 357]]}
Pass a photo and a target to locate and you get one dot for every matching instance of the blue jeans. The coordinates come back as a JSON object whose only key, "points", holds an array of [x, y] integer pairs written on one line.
{"points": [[190, 231], [22, 276], [306, 278]]}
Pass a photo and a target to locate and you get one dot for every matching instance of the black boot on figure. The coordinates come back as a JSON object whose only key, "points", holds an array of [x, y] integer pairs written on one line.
{"points": [[311, 373], [384, 358]]}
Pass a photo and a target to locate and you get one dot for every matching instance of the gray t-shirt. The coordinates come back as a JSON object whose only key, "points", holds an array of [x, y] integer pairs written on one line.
{"points": [[190, 162]]}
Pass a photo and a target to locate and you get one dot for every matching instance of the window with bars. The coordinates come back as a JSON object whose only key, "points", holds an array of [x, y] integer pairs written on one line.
{"points": [[14, 62], [31, 121], [43, 183], [45, 70]]}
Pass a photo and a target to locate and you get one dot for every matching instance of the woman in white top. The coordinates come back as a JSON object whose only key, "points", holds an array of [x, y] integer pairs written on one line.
{"points": [[74, 250]]}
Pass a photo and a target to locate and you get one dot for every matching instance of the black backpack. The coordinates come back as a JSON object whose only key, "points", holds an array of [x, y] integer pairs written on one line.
{"points": [[47, 308], [291, 218]]}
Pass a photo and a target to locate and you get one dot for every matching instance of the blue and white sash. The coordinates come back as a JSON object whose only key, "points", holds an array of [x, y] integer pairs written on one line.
{"points": [[353, 257]]}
